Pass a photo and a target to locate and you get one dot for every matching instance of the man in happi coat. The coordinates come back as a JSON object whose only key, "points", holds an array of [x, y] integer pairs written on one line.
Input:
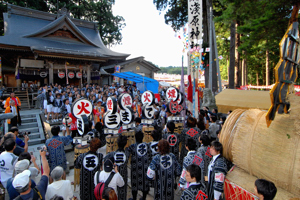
{"points": [[140, 159], [204, 152], [217, 170], [173, 139], [163, 169], [89, 163], [190, 158], [196, 189], [56, 148], [190, 132], [121, 160], [156, 135]]}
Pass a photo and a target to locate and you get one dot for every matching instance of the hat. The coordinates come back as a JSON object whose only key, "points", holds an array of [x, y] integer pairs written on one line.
{"points": [[21, 166], [21, 180], [99, 100], [109, 164]]}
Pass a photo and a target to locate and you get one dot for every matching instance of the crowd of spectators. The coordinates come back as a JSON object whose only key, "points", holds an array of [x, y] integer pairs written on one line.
{"points": [[190, 161]]}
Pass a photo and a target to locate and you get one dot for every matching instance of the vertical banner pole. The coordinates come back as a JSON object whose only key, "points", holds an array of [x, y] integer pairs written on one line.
{"points": [[182, 90], [210, 45]]}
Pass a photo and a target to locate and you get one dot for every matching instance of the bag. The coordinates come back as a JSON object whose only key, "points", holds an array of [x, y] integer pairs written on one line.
{"points": [[36, 195], [101, 186]]}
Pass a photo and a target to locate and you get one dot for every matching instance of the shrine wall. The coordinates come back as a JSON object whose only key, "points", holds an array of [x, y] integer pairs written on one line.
{"points": [[138, 68]]}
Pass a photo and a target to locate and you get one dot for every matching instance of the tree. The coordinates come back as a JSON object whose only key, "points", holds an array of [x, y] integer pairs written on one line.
{"points": [[262, 24], [33, 4]]}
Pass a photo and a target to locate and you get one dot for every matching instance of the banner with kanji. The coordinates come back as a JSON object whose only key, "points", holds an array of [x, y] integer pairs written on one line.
{"points": [[195, 23], [195, 45]]}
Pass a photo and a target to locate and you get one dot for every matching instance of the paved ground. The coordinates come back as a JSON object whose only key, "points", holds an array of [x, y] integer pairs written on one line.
{"points": [[70, 175]]}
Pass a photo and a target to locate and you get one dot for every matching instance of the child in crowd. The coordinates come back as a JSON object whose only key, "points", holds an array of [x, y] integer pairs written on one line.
{"points": [[196, 189], [265, 190]]}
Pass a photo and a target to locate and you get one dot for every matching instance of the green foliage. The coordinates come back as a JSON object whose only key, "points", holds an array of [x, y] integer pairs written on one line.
{"points": [[176, 12], [110, 26], [33, 4], [172, 70], [261, 25]]}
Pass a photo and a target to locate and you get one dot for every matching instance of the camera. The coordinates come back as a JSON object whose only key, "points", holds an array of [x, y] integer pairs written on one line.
{"points": [[22, 134]]}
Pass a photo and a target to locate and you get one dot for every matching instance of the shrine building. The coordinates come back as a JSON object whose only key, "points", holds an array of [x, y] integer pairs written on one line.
{"points": [[44, 48]]}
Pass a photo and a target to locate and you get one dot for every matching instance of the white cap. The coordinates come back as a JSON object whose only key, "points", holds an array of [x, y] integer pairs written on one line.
{"points": [[21, 180], [21, 166]]}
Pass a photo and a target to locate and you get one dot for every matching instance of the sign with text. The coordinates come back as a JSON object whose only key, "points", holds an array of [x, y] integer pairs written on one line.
{"points": [[82, 107]]}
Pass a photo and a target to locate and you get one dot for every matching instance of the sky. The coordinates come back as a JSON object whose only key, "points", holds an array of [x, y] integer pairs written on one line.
{"points": [[146, 34]]}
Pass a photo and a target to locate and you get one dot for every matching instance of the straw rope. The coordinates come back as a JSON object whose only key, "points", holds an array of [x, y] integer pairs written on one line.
{"points": [[227, 133]]}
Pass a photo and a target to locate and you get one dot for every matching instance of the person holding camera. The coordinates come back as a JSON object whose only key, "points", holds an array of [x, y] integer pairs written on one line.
{"points": [[18, 150], [15, 131], [22, 182]]}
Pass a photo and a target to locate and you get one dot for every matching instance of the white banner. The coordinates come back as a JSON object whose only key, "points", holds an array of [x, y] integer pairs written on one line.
{"points": [[195, 46], [195, 23]]}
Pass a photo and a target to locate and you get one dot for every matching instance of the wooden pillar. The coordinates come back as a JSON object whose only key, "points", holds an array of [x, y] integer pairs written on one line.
{"points": [[51, 79], [18, 80], [88, 73]]}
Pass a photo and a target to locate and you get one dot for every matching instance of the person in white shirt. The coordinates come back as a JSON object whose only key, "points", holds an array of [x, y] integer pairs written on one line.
{"points": [[59, 187], [217, 170], [121, 89], [7, 161], [116, 181]]}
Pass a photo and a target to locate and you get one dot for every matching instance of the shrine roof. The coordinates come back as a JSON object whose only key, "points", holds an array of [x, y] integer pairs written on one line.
{"points": [[44, 32], [133, 60]]}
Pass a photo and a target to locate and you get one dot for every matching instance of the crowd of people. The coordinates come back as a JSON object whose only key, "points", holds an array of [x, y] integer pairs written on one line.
{"points": [[190, 161]]}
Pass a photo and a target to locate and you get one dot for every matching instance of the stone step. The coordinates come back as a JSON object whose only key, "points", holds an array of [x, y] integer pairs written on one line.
{"points": [[28, 125], [34, 135], [32, 129], [28, 120], [28, 116], [36, 141]]}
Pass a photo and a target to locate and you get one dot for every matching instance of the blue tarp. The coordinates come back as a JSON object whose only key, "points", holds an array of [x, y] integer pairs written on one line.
{"points": [[149, 83]]}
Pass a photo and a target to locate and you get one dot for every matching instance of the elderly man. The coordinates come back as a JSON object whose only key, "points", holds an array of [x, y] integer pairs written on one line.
{"points": [[22, 182], [20, 166], [12, 108], [59, 187], [17, 104]]}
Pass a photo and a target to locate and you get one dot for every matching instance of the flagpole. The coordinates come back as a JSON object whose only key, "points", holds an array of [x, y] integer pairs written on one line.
{"points": [[210, 45], [182, 89]]}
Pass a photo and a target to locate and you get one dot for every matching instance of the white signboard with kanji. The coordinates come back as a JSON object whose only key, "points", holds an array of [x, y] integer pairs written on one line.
{"points": [[125, 100], [82, 124], [127, 115], [82, 107], [172, 94], [111, 120], [148, 98], [111, 104], [148, 111]]}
